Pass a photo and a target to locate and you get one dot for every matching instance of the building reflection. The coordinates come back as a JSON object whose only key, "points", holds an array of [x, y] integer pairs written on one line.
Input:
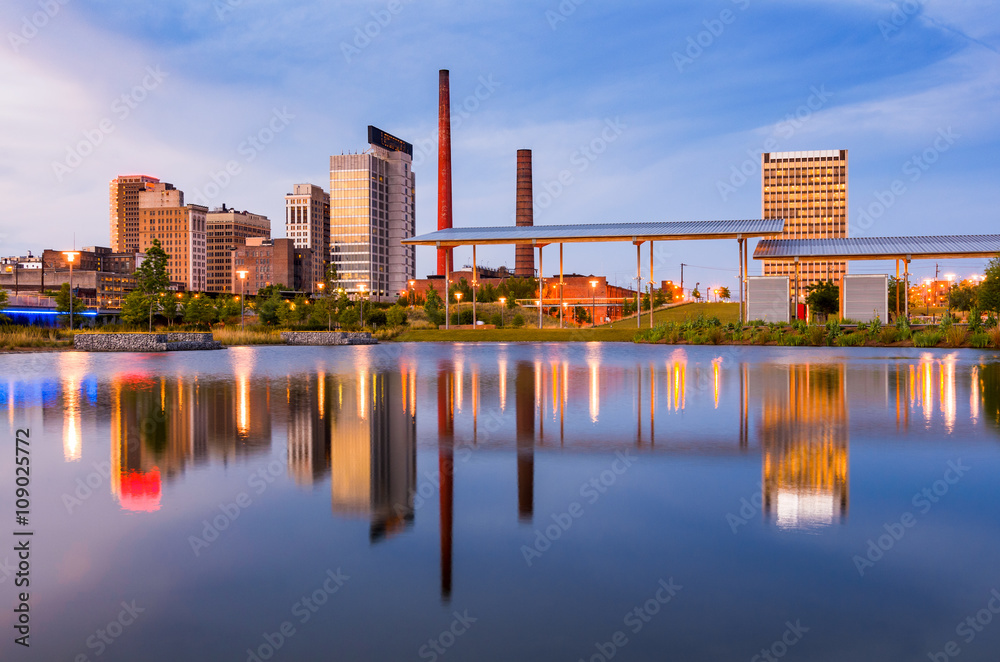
{"points": [[371, 421], [803, 431]]}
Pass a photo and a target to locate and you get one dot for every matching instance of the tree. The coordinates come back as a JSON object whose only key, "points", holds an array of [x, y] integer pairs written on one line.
{"points": [[724, 293], [169, 307], [199, 310], [3, 304], [135, 308], [989, 290], [432, 306], [151, 277], [892, 294], [63, 299], [349, 318], [269, 305], [824, 297], [695, 294], [962, 297], [396, 316], [226, 307]]}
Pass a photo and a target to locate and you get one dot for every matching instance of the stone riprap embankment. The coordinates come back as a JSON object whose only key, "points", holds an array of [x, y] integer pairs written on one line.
{"points": [[143, 342], [326, 338]]}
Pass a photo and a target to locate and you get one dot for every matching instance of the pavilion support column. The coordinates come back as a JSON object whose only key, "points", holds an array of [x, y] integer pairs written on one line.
{"points": [[561, 286], [447, 296], [746, 281], [906, 287], [897, 288], [796, 302], [541, 287], [638, 285], [475, 281], [739, 243], [651, 281]]}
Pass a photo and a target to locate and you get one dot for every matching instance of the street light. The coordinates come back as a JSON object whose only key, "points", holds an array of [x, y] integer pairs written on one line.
{"points": [[71, 257], [413, 292], [242, 273], [503, 302], [458, 310], [593, 304]]}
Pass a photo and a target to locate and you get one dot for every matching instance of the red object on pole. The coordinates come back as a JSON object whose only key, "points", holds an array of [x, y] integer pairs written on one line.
{"points": [[444, 166], [524, 259]]}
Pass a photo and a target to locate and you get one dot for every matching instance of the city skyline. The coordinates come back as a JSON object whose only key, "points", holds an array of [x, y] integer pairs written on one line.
{"points": [[607, 125]]}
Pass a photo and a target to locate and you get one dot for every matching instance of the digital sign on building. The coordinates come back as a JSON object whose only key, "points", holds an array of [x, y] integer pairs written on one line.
{"points": [[379, 137]]}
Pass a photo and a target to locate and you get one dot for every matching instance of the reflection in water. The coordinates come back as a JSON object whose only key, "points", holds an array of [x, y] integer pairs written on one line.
{"points": [[987, 381], [804, 438], [446, 469]]}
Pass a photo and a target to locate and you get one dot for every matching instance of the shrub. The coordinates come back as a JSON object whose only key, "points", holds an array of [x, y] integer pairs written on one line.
{"points": [[762, 337], [927, 338], [518, 321], [888, 335], [833, 331], [956, 335], [851, 340], [716, 335], [903, 327], [979, 340], [817, 336], [396, 316], [994, 335]]}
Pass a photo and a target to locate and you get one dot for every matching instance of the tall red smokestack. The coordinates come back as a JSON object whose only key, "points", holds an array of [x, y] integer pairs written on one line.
{"points": [[444, 168], [524, 258]]}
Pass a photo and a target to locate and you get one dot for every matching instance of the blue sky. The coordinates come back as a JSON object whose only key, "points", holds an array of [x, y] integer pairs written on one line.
{"points": [[693, 89]]}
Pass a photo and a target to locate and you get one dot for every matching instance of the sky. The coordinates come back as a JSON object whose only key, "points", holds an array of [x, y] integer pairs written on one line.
{"points": [[634, 111]]}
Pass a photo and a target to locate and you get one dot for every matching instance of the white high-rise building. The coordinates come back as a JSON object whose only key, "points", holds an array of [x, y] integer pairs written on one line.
{"points": [[307, 224], [372, 209]]}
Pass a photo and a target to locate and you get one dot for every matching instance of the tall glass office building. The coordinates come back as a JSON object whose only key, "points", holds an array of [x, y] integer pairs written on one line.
{"points": [[372, 209]]}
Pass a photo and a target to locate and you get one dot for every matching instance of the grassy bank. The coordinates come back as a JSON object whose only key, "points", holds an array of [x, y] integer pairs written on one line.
{"points": [[725, 312], [33, 337], [234, 336], [517, 335]]}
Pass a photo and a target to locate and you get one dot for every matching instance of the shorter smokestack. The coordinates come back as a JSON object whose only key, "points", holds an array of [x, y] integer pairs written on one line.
{"points": [[524, 257]]}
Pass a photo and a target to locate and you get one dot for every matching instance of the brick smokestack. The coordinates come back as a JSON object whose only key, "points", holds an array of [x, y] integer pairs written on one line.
{"points": [[444, 168], [524, 257]]}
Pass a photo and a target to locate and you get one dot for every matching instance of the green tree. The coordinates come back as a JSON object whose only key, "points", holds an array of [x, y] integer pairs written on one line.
{"points": [[989, 290], [269, 306], [724, 293], [169, 307], [695, 294], [660, 297], [892, 294], [3, 304], [823, 297], [487, 293], [135, 308], [151, 277], [226, 307], [433, 306], [199, 310], [962, 297], [63, 299], [349, 318], [396, 316], [326, 299]]}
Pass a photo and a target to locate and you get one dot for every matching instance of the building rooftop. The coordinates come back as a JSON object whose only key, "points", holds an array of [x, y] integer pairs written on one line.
{"points": [[880, 248]]}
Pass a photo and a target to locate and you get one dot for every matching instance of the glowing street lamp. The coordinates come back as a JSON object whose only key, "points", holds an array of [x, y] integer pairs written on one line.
{"points": [[413, 292], [593, 304], [329, 312], [503, 304], [458, 309], [71, 257], [362, 286], [242, 273]]}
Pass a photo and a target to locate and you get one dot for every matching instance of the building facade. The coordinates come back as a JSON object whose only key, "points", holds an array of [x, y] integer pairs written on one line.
{"points": [[272, 262], [225, 231], [307, 224], [372, 209], [180, 229], [123, 196], [808, 190]]}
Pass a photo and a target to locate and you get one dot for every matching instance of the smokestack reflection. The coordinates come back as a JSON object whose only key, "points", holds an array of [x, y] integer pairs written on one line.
{"points": [[524, 395]]}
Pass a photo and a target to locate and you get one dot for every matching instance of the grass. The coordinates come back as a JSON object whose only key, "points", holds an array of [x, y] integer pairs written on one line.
{"points": [[235, 336], [18, 337], [726, 312], [600, 334]]}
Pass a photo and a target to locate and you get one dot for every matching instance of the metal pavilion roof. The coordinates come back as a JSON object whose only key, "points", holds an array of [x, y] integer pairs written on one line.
{"points": [[880, 248], [552, 234]]}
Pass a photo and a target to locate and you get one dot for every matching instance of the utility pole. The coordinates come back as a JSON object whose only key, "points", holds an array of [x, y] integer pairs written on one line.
{"points": [[682, 279], [936, 270]]}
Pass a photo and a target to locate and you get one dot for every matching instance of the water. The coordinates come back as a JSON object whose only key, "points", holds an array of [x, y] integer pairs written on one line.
{"points": [[506, 502]]}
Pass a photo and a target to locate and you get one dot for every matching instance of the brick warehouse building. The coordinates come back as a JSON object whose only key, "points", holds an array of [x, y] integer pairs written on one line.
{"points": [[272, 262]]}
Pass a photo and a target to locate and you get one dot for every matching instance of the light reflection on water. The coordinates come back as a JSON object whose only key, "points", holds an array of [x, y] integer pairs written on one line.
{"points": [[390, 435]]}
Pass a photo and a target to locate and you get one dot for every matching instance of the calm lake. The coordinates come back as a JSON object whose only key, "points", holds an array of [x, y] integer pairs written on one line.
{"points": [[506, 502]]}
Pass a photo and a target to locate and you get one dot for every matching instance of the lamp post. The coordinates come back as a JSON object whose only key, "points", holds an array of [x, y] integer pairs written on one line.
{"points": [[329, 312], [593, 303], [242, 273], [503, 304], [458, 306], [413, 293], [71, 257], [362, 302]]}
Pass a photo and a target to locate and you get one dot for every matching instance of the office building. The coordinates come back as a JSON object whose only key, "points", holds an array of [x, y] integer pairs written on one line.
{"points": [[372, 209], [225, 231], [124, 205], [180, 229], [808, 190], [307, 223], [272, 262]]}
